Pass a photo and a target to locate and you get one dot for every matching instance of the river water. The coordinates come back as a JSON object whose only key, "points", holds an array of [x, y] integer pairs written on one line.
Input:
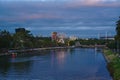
{"points": [[60, 64]]}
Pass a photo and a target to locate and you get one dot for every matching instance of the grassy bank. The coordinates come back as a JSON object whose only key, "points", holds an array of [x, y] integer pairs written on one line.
{"points": [[113, 64]]}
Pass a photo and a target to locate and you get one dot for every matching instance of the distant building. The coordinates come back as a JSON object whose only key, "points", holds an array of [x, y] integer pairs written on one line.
{"points": [[54, 36], [107, 38], [61, 41], [73, 38], [58, 37], [61, 37]]}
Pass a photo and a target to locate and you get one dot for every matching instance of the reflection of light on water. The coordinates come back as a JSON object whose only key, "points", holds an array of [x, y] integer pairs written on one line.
{"points": [[61, 57], [95, 50], [82, 64], [58, 56], [52, 58], [68, 50]]}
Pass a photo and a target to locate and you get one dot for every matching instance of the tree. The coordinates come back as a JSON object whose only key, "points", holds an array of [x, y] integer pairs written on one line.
{"points": [[5, 39], [117, 37], [22, 38]]}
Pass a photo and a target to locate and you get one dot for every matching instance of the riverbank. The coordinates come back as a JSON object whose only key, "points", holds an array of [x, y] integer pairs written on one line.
{"points": [[31, 50], [113, 65]]}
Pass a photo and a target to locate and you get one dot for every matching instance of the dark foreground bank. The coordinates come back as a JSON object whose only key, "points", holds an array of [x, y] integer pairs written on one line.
{"points": [[113, 64]]}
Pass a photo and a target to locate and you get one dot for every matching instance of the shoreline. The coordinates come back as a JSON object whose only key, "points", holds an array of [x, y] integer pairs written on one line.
{"points": [[32, 49], [13, 51], [113, 63]]}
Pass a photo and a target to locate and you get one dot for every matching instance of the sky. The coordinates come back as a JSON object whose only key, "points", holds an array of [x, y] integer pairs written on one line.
{"points": [[81, 18]]}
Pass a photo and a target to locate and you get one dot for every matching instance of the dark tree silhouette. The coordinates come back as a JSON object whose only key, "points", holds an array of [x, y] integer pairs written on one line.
{"points": [[117, 37]]}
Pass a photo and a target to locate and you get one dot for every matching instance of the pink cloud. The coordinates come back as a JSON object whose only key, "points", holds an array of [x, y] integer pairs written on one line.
{"points": [[29, 17], [36, 10], [38, 16], [104, 3]]}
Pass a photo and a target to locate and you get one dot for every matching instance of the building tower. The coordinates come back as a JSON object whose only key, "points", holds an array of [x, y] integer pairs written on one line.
{"points": [[54, 36]]}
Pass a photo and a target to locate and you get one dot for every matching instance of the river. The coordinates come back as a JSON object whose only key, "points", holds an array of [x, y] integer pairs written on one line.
{"points": [[60, 64]]}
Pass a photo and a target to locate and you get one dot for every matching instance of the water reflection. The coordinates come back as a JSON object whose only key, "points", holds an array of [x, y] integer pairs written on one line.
{"points": [[60, 64], [4, 65], [59, 56], [9, 66], [22, 67]]}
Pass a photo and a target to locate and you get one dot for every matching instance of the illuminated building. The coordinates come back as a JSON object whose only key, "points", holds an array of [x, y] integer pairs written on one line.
{"points": [[54, 36], [61, 37], [73, 38]]}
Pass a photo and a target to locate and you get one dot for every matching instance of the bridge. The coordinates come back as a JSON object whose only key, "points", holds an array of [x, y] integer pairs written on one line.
{"points": [[77, 44]]}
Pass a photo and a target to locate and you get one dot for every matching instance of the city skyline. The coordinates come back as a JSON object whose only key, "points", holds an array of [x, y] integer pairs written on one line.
{"points": [[82, 18]]}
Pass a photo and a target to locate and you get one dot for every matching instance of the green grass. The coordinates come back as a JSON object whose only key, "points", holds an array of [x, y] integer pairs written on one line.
{"points": [[114, 64]]}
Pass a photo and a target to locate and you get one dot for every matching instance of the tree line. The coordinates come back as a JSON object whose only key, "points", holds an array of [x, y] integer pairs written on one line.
{"points": [[23, 39]]}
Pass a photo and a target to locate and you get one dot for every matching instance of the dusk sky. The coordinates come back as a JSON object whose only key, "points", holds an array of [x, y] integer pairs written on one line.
{"points": [[82, 18]]}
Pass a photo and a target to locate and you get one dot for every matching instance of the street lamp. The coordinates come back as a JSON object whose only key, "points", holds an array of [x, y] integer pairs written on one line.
{"points": [[117, 46]]}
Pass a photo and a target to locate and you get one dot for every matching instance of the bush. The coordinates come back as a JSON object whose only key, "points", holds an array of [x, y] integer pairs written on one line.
{"points": [[113, 65]]}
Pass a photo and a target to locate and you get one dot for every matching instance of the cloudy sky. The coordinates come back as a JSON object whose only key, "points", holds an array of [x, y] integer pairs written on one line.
{"points": [[82, 18]]}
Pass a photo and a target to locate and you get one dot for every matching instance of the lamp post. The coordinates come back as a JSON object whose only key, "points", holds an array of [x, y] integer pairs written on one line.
{"points": [[117, 46]]}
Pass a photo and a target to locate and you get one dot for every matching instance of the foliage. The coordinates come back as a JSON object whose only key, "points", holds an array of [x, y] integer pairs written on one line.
{"points": [[71, 43], [112, 44], [117, 37], [114, 64], [5, 39], [115, 44], [93, 41], [23, 39]]}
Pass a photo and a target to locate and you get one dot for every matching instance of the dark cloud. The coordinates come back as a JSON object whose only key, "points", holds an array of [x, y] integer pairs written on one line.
{"points": [[67, 17]]}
